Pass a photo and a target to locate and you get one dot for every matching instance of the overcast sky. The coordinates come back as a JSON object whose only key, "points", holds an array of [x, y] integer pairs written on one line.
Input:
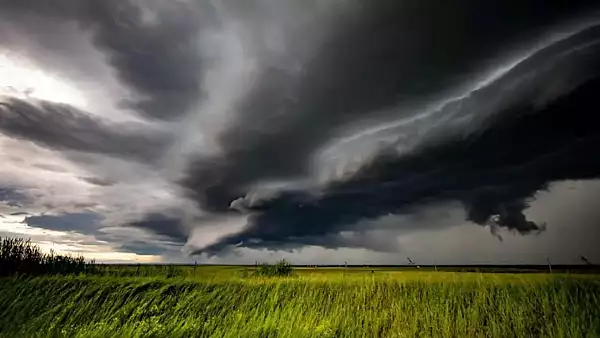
{"points": [[319, 131]]}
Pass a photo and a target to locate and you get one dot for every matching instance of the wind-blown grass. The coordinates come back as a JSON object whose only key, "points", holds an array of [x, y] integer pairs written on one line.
{"points": [[404, 304]]}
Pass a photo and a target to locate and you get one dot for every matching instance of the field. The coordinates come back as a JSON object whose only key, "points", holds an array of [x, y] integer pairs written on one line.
{"points": [[228, 301]]}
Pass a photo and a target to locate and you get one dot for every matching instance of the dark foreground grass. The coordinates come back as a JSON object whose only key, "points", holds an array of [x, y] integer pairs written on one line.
{"points": [[329, 305]]}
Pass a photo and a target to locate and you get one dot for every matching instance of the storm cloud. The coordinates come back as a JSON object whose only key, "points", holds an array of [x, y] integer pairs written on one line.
{"points": [[494, 173], [310, 124], [489, 143], [166, 226], [63, 127], [150, 45], [380, 58]]}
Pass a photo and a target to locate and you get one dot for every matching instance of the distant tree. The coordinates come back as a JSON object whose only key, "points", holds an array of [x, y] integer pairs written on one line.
{"points": [[280, 269]]}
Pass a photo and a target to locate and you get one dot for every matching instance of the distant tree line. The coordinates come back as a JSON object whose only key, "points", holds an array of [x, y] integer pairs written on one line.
{"points": [[19, 256]]}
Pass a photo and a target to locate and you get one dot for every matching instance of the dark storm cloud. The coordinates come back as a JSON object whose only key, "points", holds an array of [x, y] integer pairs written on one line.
{"points": [[13, 197], [84, 222], [97, 181], [377, 61], [63, 127], [141, 248], [494, 173], [90, 223], [153, 46], [386, 53], [20, 213], [155, 53], [166, 226], [59, 8], [541, 132]]}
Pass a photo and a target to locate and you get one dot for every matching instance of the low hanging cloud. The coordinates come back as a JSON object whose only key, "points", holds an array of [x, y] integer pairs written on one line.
{"points": [[488, 177], [309, 124], [62, 127], [492, 148], [168, 227], [151, 46]]}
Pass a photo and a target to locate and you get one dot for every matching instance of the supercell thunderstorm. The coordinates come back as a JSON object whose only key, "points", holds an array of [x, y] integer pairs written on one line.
{"points": [[300, 120]]}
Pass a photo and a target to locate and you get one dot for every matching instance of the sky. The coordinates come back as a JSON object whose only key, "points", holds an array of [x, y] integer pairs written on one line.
{"points": [[322, 132]]}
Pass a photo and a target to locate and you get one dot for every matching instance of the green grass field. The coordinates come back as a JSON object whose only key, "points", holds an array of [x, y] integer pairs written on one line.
{"points": [[327, 302]]}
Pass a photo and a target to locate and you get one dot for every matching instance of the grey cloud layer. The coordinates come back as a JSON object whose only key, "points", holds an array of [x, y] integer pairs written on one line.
{"points": [[60, 126], [158, 59], [324, 76], [381, 58], [451, 159], [151, 46]]}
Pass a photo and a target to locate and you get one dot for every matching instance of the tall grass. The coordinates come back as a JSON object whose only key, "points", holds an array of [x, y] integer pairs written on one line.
{"points": [[19, 256], [81, 299], [144, 270], [420, 305]]}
